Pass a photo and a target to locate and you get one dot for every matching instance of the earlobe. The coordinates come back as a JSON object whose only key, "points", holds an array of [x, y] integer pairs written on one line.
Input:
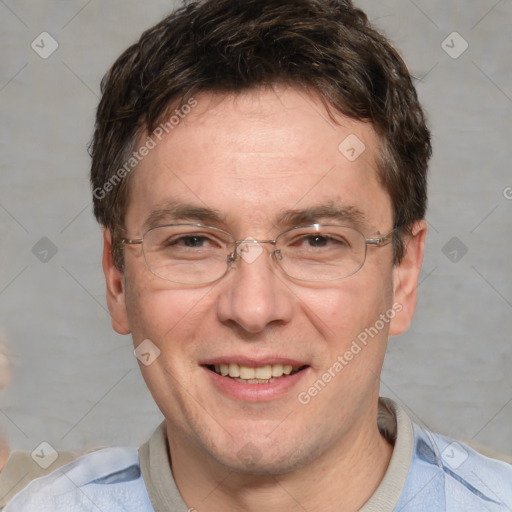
{"points": [[405, 276], [115, 287]]}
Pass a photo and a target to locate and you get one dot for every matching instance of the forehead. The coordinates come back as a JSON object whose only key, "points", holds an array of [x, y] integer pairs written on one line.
{"points": [[252, 156]]}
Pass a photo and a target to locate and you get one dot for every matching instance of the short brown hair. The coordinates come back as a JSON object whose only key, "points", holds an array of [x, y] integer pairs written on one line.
{"points": [[326, 46]]}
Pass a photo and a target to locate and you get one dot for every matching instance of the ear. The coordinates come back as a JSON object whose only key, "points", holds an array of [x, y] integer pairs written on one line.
{"points": [[405, 278], [115, 287]]}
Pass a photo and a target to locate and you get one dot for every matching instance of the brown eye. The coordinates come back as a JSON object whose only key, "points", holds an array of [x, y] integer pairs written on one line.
{"points": [[189, 241]]}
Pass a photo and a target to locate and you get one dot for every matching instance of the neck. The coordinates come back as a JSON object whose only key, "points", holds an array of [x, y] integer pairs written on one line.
{"points": [[340, 480]]}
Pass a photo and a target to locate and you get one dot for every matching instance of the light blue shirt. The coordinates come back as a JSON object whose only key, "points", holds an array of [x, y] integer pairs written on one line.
{"points": [[428, 472]]}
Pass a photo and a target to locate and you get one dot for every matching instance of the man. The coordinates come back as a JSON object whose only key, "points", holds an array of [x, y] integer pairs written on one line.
{"points": [[259, 169]]}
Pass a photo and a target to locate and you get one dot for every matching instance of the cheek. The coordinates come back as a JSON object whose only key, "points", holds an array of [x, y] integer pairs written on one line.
{"points": [[342, 313], [158, 311]]}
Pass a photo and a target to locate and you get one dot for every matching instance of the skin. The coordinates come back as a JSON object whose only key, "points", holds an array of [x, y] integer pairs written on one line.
{"points": [[250, 156]]}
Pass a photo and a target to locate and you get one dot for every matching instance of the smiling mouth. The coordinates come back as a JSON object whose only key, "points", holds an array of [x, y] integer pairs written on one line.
{"points": [[255, 375]]}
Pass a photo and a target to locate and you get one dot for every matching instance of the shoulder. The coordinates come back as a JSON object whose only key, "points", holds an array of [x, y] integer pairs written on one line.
{"points": [[471, 473], [21, 468], [460, 477], [108, 479]]}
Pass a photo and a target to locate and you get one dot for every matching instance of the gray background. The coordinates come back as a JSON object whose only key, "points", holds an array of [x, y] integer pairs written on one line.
{"points": [[76, 383]]}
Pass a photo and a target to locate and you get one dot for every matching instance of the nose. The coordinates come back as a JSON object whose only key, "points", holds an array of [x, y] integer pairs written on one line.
{"points": [[253, 294]]}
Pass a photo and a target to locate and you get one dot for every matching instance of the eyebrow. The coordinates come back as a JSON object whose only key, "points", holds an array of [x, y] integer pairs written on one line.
{"points": [[174, 211], [324, 212]]}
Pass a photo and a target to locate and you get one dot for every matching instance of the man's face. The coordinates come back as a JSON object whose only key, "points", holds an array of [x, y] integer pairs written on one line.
{"points": [[250, 158]]}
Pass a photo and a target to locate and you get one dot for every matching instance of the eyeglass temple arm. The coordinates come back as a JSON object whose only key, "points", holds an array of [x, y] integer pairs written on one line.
{"points": [[129, 241], [381, 240]]}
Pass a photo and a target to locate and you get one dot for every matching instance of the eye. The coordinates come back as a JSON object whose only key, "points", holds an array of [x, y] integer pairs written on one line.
{"points": [[189, 241], [192, 241], [318, 241]]}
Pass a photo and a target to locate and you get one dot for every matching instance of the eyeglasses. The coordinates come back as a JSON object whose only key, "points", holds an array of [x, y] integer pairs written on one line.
{"points": [[197, 254]]}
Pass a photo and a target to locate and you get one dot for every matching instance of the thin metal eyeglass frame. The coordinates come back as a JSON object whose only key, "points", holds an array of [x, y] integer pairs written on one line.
{"points": [[234, 256]]}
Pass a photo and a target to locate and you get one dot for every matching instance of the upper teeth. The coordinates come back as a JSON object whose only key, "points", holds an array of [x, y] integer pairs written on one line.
{"points": [[262, 372]]}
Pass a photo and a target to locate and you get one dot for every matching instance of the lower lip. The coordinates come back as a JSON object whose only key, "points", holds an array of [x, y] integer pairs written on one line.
{"points": [[256, 392]]}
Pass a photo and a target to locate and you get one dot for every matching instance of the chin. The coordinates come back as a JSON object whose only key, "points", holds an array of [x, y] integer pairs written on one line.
{"points": [[262, 458]]}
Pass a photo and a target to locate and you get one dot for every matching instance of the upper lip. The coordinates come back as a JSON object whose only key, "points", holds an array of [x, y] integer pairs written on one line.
{"points": [[253, 362]]}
